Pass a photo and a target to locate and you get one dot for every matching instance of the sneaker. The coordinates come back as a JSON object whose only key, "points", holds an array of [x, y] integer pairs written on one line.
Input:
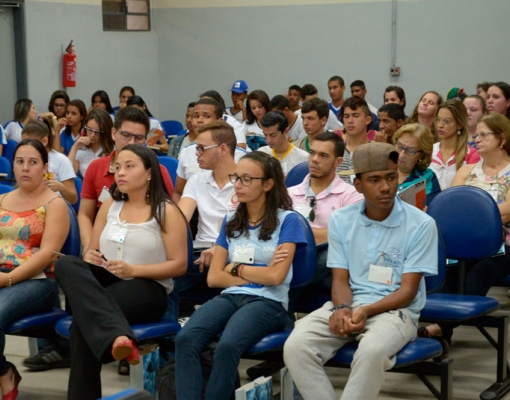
{"points": [[182, 321], [49, 358]]}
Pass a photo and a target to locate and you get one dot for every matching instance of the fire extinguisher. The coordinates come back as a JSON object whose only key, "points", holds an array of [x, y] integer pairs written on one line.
{"points": [[69, 69]]}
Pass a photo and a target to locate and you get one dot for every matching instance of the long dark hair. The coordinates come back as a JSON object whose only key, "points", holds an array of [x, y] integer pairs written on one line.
{"points": [[276, 198], [104, 99], [262, 98], [136, 100], [158, 193], [104, 120]]}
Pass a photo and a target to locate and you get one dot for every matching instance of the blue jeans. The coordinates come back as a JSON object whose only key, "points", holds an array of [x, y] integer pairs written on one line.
{"points": [[244, 320], [31, 296]]}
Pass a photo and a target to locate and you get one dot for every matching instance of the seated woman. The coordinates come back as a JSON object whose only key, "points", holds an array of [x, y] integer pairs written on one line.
{"points": [[492, 174], [96, 140], [414, 145], [76, 111], [254, 302], [425, 111], [24, 112], [258, 105], [452, 151], [60, 176], [100, 99], [142, 235], [125, 93], [34, 223]]}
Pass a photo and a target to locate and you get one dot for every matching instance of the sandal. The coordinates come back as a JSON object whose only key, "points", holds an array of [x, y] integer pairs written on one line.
{"points": [[445, 343]]}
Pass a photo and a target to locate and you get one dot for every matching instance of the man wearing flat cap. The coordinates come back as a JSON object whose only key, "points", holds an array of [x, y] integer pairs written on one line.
{"points": [[379, 251]]}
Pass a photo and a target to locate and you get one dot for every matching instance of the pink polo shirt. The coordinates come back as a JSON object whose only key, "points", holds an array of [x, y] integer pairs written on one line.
{"points": [[338, 195]]}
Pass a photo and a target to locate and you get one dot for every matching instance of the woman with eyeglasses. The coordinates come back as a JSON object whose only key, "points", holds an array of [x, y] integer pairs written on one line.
{"points": [[253, 262], [452, 151], [414, 145], [95, 141], [492, 174]]}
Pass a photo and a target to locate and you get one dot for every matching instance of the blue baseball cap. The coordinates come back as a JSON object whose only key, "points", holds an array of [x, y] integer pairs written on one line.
{"points": [[239, 86]]}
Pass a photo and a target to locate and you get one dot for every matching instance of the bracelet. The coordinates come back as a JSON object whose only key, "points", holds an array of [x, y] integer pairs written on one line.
{"points": [[10, 280], [233, 271], [339, 307]]}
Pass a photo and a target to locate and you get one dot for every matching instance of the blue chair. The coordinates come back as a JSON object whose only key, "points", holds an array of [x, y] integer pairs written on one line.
{"points": [[78, 183], [8, 150], [456, 211], [5, 188], [171, 165], [6, 170], [297, 174], [172, 127], [127, 394]]}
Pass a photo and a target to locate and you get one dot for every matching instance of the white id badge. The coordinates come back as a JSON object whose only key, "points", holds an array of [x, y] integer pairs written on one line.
{"points": [[105, 195], [117, 234], [380, 274], [245, 255]]}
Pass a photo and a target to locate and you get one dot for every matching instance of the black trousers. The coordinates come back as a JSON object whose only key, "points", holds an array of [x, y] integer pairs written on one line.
{"points": [[103, 308]]}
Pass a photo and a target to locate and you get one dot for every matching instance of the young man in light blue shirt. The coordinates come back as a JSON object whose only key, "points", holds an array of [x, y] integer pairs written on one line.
{"points": [[379, 250]]}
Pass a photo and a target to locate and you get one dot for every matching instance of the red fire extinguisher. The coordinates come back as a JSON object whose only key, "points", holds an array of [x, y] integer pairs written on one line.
{"points": [[69, 70]]}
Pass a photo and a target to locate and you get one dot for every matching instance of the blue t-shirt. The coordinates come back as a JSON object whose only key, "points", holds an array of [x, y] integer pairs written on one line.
{"points": [[405, 241], [289, 230], [66, 140]]}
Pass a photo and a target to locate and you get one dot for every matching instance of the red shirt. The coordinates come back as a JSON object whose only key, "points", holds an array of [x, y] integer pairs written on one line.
{"points": [[98, 176]]}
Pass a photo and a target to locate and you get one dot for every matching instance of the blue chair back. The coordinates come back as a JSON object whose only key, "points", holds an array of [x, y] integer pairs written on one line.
{"points": [[171, 165], [72, 244], [436, 282], [5, 167], [305, 258], [297, 174], [172, 127], [78, 183], [469, 221], [5, 188], [8, 149]]}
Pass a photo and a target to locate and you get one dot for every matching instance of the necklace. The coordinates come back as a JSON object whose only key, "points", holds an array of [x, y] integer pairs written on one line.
{"points": [[257, 221]]}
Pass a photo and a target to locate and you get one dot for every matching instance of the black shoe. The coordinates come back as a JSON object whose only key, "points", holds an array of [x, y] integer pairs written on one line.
{"points": [[123, 367], [266, 368], [49, 358]]}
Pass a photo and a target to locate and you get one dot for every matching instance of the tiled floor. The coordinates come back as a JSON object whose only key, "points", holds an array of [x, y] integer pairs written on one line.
{"points": [[474, 370]]}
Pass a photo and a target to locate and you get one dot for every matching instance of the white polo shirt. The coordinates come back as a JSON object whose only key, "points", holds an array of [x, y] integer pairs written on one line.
{"points": [[212, 203], [188, 164], [297, 131], [239, 129], [290, 159], [332, 124]]}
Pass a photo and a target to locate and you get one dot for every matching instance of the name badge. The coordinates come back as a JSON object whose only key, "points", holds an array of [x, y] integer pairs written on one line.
{"points": [[117, 234], [380, 274], [105, 195], [245, 255], [303, 209]]}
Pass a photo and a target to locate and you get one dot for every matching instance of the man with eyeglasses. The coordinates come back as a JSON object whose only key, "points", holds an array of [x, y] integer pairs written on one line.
{"points": [[131, 126], [211, 193], [379, 252]]}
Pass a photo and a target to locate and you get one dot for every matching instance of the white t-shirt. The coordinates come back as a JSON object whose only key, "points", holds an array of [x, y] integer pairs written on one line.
{"points": [[212, 203], [239, 129], [2, 134], [238, 116], [297, 131], [372, 108], [253, 129], [61, 166], [293, 157], [188, 164], [332, 124], [13, 131], [85, 156]]}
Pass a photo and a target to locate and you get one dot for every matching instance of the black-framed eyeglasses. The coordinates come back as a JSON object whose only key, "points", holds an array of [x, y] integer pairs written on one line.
{"points": [[408, 150], [482, 135], [126, 136], [200, 149], [313, 202], [245, 179], [90, 130]]}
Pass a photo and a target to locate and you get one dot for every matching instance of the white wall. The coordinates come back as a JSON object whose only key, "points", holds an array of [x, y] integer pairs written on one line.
{"points": [[8, 95], [105, 60]]}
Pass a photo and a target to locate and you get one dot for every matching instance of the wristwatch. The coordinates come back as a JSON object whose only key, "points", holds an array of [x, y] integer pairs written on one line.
{"points": [[340, 306]]}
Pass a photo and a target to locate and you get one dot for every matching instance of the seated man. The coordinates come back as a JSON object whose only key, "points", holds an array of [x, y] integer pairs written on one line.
{"points": [[336, 88], [211, 192], [358, 89], [296, 130], [239, 94], [391, 118], [321, 193], [379, 250], [309, 92], [182, 141], [315, 115], [294, 96], [275, 128]]}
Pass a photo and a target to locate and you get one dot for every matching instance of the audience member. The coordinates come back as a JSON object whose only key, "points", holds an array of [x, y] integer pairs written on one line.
{"points": [[181, 141], [60, 175], [476, 109], [254, 302], [96, 142], [456, 93], [258, 104], [315, 115], [395, 94], [391, 118], [452, 151], [359, 89], [239, 93], [100, 99], [414, 144], [24, 112], [377, 241], [76, 111], [309, 92], [131, 126], [498, 98], [425, 111], [142, 235], [296, 130], [336, 88], [34, 224], [57, 106], [125, 93], [275, 128], [294, 96], [482, 88]]}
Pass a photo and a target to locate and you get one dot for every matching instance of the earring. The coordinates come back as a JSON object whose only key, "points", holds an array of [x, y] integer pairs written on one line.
{"points": [[459, 132], [148, 189], [123, 196]]}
